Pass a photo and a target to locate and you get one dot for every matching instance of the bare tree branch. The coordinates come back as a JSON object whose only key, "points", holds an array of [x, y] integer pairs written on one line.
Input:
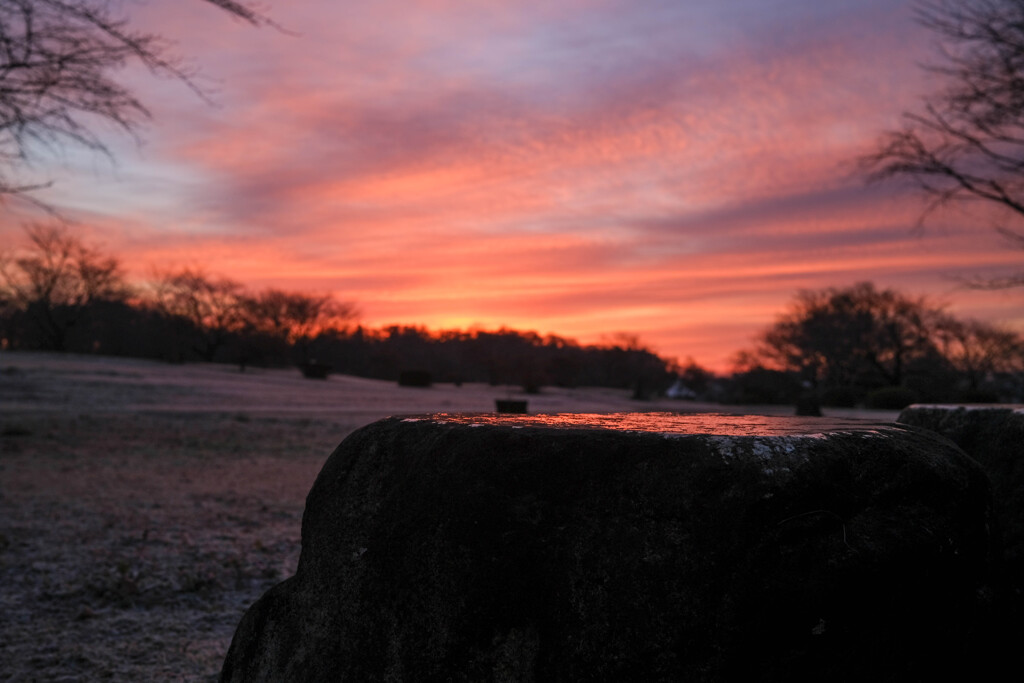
{"points": [[967, 144], [241, 10], [55, 277], [59, 79]]}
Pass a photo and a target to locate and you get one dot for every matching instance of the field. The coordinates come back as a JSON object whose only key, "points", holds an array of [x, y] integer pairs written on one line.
{"points": [[144, 506]]}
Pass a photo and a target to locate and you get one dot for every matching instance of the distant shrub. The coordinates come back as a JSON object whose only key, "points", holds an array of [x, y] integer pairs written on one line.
{"points": [[841, 397], [510, 406], [415, 378], [891, 398], [15, 430], [315, 370], [808, 405], [761, 385], [978, 396]]}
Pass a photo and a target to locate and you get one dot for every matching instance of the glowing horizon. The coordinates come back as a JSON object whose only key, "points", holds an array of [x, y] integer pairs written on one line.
{"points": [[676, 172]]}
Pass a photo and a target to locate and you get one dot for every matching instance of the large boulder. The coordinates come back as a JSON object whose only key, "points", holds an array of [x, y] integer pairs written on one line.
{"points": [[994, 436], [631, 547]]}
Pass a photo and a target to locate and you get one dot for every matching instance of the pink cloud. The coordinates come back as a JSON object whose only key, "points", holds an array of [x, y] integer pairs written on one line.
{"points": [[580, 168]]}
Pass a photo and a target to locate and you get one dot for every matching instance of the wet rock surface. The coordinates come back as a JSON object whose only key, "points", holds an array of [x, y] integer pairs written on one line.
{"points": [[631, 547]]}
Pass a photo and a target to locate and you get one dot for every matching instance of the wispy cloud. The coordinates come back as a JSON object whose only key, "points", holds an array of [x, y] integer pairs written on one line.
{"points": [[671, 169]]}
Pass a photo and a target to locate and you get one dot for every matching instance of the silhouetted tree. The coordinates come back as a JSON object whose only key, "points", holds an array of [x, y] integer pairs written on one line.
{"points": [[967, 142], [55, 278], [695, 377], [979, 351], [845, 336], [61, 73], [207, 309], [296, 317]]}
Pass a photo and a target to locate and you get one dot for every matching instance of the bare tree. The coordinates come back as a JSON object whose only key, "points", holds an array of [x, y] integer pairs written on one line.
{"points": [[967, 143], [212, 307], [55, 278], [837, 336], [60, 63], [297, 318], [978, 350]]}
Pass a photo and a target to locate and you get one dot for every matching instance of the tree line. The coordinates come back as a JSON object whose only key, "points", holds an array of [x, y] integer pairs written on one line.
{"points": [[858, 345], [60, 293], [863, 345]]}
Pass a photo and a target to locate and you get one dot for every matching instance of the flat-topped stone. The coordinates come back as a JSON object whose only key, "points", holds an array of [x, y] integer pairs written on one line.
{"points": [[629, 547]]}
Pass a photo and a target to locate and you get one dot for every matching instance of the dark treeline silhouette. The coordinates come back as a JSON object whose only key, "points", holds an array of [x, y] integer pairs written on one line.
{"points": [[498, 357], [850, 346], [505, 356], [61, 294]]}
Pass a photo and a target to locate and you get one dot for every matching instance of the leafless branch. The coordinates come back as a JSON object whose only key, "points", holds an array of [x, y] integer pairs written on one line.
{"points": [[59, 68], [967, 144]]}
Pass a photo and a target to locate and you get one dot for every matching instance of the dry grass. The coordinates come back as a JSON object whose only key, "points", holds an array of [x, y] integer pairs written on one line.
{"points": [[130, 546]]}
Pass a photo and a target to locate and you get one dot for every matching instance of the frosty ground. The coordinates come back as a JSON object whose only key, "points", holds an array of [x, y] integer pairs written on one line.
{"points": [[144, 506]]}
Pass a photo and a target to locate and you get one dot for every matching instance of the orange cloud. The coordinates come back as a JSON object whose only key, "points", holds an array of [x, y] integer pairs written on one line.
{"points": [[578, 168]]}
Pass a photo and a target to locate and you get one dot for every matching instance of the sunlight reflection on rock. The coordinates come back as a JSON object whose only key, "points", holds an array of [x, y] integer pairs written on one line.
{"points": [[669, 424]]}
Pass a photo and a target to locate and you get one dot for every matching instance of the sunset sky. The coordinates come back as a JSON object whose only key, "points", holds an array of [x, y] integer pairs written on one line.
{"points": [[673, 169]]}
